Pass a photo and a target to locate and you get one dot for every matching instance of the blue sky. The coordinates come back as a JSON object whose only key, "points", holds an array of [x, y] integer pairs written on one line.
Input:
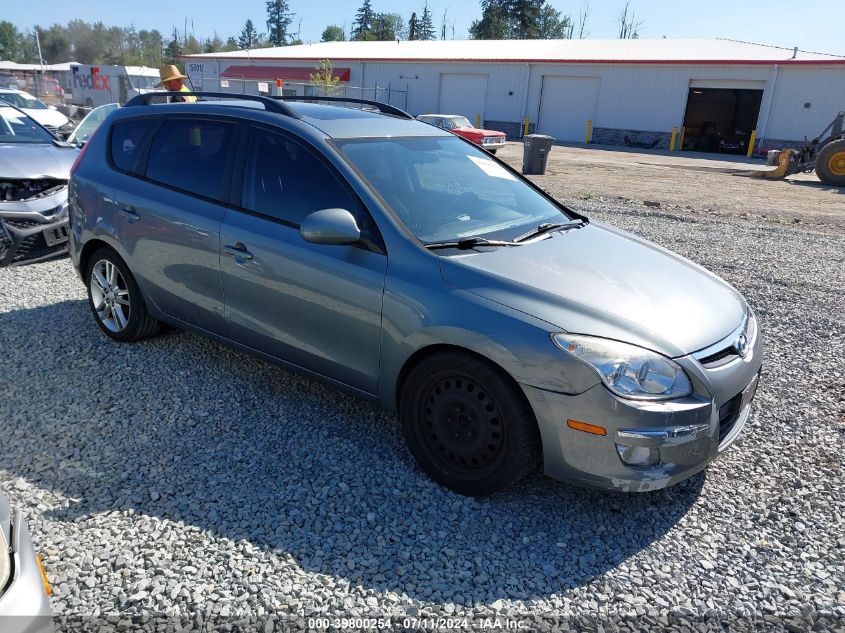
{"points": [[809, 25]]}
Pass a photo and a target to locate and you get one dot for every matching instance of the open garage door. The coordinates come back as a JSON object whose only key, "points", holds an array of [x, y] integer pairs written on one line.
{"points": [[463, 94], [721, 119], [566, 104]]}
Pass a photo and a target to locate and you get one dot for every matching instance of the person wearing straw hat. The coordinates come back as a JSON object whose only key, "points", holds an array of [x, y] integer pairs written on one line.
{"points": [[171, 79]]}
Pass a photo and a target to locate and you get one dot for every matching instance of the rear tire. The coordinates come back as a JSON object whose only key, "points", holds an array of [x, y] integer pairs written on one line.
{"points": [[115, 299], [468, 425], [830, 163]]}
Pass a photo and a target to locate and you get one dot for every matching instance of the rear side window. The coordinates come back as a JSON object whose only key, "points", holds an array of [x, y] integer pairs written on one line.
{"points": [[191, 155], [128, 139]]}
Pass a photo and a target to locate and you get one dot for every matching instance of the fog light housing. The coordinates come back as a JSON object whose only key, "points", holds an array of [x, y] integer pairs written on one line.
{"points": [[638, 455]]}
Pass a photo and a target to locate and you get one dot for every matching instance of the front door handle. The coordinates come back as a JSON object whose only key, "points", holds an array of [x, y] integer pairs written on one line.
{"points": [[130, 213], [238, 251]]}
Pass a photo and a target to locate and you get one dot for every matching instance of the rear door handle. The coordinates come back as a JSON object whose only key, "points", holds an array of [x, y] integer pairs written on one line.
{"points": [[130, 213], [238, 251]]}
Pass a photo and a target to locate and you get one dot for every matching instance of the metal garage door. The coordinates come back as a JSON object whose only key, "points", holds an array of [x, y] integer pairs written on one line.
{"points": [[566, 104], [463, 94]]}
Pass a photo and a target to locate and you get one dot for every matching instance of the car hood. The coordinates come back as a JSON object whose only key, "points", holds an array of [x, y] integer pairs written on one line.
{"points": [[53, 118], [35, 160], [604, 282], [479, 132]]}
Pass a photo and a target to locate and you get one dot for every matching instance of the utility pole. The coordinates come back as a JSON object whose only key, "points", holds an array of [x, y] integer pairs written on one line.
{"points": [[40, 61]]}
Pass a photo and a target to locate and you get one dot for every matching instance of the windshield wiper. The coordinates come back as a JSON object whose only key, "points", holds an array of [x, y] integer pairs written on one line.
{"points": [[549, 226], [467, 243]]}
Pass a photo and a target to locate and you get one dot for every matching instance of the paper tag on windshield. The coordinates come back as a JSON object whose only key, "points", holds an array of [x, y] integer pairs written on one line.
{"points": [[491, 169]]}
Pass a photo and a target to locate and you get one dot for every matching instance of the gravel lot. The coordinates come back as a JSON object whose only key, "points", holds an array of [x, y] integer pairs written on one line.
{"points": [[176, 481]]}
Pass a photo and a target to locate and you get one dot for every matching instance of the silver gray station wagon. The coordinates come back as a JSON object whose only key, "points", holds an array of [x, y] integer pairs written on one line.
{"points": [[403, 264]]}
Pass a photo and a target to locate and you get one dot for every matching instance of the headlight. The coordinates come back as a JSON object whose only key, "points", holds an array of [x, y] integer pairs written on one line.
{"points": [[627, 370]]}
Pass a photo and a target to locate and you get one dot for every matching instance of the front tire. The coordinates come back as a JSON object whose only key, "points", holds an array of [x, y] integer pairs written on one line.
{"points": [[115, 300], [830, 163], [468, 425]]}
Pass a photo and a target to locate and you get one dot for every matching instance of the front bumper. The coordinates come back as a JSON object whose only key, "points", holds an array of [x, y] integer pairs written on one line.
{"points": [[684, 435], [492, 145], [25, 606], [28, 236]]}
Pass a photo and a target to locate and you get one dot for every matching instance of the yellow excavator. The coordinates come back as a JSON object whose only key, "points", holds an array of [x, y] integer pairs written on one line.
{"points": [[825, 154]]}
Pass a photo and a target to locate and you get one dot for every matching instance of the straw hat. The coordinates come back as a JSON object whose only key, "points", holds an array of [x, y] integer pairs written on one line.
{"points": [[169, 72]]}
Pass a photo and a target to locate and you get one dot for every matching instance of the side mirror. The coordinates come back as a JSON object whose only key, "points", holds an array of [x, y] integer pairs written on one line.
{"points": [[330, 226]]}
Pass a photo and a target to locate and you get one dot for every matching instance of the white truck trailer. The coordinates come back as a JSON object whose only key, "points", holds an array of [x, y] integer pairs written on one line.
{"points": [[94, 85]]}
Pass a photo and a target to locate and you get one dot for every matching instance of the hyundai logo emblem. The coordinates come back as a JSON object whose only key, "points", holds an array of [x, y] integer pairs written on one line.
{"points": [[741, 345]]}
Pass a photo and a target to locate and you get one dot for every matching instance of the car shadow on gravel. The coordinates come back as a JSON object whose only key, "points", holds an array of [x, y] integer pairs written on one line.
{"points": [[183, 429]]}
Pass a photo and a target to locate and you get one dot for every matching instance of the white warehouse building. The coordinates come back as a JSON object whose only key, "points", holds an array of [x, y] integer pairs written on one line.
{"points": [[714, 92]]}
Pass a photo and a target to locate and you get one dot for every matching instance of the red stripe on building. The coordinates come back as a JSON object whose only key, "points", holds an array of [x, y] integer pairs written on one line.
{"points": [[285, 73]]}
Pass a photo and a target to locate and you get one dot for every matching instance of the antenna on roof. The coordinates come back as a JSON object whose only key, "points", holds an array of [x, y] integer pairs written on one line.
{"points": [[795, 52]]}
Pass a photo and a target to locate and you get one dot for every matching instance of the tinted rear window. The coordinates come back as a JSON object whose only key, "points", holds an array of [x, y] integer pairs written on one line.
{"points": [[191, 154], [127, 142]]}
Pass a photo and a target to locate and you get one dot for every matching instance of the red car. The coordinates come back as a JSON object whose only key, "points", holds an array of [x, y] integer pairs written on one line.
{"points": [[491, 140]]}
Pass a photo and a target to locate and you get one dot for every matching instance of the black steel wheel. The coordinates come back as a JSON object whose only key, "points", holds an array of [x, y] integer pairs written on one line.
{"points": [[467, 424]]}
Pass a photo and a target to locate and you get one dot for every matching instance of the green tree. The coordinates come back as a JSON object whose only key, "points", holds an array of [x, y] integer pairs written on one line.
{"points": [[150, 44], [426, 29], [173, 49], [249, 37], [413, 27], [324, 79], [55, 46], [552, 25], [495, 21], [10, 39], [362, 27], [389, 26], [333, 33], [279, 19], [520, 19]]}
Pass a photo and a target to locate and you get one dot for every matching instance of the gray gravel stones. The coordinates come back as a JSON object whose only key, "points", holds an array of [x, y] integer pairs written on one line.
{"points": [[175, 482]]}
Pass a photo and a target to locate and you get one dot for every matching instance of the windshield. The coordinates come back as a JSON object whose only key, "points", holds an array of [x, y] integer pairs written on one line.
{"points": [[143, 82], [22, 100], [460, 121], [445, 189], [16, 127]]}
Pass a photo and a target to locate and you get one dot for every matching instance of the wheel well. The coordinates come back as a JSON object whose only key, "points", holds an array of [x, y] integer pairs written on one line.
{"points": [[432, 350], [91, 246]]}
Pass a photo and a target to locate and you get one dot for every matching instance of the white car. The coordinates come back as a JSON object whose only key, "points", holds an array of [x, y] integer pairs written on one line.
{"points": [[42, 113]]}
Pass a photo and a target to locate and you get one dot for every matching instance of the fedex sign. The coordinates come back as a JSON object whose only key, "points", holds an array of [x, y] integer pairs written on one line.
{"points": [[92, 81]]}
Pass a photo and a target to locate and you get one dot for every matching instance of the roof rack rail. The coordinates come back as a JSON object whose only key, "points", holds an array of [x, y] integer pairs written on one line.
{"points": [[384, 108], [270, 104]]}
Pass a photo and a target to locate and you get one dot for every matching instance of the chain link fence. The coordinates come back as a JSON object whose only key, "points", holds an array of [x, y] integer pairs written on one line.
{"points": [[385, 94]]}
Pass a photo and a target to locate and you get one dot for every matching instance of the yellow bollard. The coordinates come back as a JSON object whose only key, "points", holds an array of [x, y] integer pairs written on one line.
{"points": [[681, 140], [525, 127], [589, 136], [672, 141], [751, 142], [478, 120]]}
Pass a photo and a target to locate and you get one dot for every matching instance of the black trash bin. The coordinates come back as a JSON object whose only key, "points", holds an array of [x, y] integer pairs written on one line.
{"points": [[535, 153]]}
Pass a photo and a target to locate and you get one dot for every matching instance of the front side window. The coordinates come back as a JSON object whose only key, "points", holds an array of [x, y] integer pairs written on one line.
{"points": [[191, 155], [285, 180], [446, 189]]}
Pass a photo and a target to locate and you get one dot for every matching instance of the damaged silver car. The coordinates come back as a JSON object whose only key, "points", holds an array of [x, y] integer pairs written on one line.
{"points": [[34, 171]]}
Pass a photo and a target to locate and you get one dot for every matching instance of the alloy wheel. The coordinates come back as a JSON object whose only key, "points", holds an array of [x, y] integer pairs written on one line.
{"points": [[110, 295]]}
